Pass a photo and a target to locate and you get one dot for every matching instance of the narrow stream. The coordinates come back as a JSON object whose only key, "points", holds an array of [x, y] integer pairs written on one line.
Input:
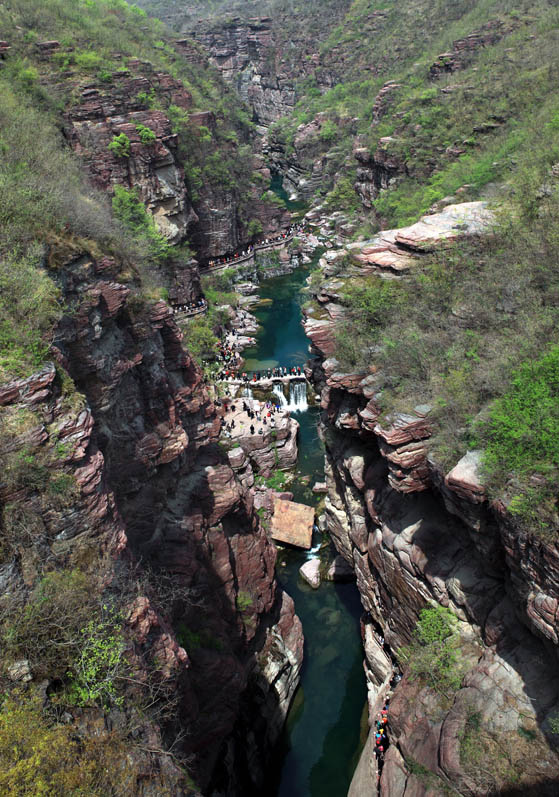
{"points": [[321, 742]]}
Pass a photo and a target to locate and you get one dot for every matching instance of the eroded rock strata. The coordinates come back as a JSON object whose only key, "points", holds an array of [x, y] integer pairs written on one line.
{"points": [[184, 510], [142, 436], [417, 536]]}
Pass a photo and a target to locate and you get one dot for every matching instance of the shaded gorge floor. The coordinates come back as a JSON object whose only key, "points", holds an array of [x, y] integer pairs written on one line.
{"points": [[321, 741]]}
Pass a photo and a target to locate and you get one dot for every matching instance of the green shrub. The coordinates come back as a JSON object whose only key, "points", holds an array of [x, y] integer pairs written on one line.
{"points": [[432, 656], [522, 432], [328, 132], [521, 437], [40, 757], [29, 307], [149, 99], [62, 490], [244, 602], [254, 228], [147, 136], [23, 471], [88, 60], [120, 146], [129, 210], [47, 630], [95, 672], [343, 196]]}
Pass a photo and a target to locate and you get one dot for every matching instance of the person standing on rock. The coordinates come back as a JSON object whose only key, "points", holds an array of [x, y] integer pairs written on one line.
{"points": [[251, 429]]}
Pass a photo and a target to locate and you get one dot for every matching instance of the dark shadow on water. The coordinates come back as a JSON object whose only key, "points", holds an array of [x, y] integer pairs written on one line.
{"points": [[331, 775]]}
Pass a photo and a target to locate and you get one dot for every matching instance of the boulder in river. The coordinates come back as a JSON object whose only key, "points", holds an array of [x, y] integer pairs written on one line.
{"points": [[320, 488], [310, 571]]}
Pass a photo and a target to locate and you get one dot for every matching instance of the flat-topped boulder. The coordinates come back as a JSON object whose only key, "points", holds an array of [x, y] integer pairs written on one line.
{"points": [[310, 572], [454, 221], [465, 479], [396, 251], [292, 523]]}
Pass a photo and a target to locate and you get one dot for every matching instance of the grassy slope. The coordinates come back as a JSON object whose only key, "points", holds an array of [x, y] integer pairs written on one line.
{"points": [[457, 331], [44, 197]]}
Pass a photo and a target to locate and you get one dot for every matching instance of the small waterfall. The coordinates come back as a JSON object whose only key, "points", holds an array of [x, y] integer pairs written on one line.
{"points": [[279, 394], [247, 393], [297, 397], [312, 552]]}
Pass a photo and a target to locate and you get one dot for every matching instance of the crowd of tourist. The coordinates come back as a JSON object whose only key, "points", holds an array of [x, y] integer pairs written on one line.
{"points": [[191, 307], [259, 417], [381, 732], [254, 377], [228, 355]]}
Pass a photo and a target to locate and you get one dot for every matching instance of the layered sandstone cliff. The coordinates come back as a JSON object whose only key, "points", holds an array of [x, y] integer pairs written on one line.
{"points": [[187, 515], [417, 536]]}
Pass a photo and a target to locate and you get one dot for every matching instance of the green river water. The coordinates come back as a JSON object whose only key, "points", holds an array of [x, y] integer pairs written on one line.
{"points": [[321, 743]]}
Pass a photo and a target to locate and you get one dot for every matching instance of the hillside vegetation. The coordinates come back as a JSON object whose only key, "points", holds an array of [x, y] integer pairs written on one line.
{"points": [[67, 649]]}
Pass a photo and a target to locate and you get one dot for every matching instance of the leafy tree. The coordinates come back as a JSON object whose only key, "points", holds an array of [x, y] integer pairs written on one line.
{"points": [[120, 146], [200, 339], [131, 212], [147, 136]]}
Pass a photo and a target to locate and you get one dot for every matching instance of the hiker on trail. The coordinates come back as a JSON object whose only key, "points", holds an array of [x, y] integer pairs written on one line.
{"points": [[251, 429]]}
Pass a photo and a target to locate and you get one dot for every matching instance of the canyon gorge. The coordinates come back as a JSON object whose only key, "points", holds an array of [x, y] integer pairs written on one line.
{"points": [[365, 194]]}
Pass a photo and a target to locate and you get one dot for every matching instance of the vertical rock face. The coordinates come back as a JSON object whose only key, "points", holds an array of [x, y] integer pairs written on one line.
{"points": [[416, 536], [246, 54], [149, 430], [102, 113], [265, 59], [56, 433], [152, 165]]}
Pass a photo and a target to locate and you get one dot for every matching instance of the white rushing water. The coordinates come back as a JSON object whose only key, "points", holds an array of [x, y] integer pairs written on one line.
{"points": [[279, 394], [297, 397], [312, 552]]}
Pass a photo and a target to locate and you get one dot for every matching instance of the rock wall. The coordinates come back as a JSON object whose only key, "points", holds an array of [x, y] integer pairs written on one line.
{"points": [[265, 60], [246, 54], [156, 492], [215, 219], [416, 536], [187, 514], [105, 110]]}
